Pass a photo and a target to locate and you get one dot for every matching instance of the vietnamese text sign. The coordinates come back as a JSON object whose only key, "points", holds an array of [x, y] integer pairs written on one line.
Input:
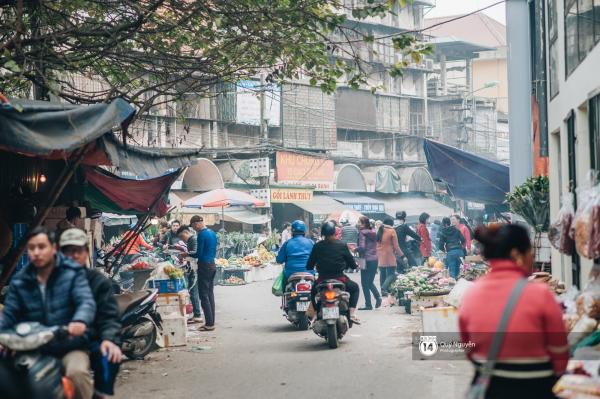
{"points": [[287, 195], [292, 168]]}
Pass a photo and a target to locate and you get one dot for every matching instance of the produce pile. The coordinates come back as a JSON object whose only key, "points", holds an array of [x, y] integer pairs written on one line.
{"points": [[557, 286], [173, 272], [140, 266], [422, 281], [472, 271], [264, 255], [585, 228], [256, 259], [582, 314], [233, 280]]}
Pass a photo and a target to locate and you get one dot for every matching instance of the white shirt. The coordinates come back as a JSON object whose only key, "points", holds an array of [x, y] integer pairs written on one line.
{"points": [[285, 235]]}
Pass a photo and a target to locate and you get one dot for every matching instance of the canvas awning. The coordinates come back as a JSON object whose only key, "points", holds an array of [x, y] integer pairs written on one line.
{"points": [[363, 204], [414, 206], [238, 214], [468, 176], [110, 193], [321, 206]]}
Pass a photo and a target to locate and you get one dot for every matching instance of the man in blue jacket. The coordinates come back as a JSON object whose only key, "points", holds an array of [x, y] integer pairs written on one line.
{"points": [[206, 251], [54, 291], [295, 252]]}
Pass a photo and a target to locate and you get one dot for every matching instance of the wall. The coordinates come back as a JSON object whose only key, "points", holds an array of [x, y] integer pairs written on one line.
{"points": [[492, 69]]}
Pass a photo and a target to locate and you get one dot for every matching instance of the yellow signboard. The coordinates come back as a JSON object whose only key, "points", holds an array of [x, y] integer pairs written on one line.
{"points": [[287, 195]]}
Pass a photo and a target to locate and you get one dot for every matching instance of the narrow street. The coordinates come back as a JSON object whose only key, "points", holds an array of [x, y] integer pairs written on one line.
{"points": [[256, 353]]}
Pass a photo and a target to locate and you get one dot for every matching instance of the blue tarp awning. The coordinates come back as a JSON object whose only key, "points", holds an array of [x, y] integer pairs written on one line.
{"points": [[468, 176]]}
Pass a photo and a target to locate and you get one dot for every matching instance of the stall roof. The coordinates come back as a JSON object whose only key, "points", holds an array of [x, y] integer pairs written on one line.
{"points": [[245, 215], [360, 203], [237, 214], [413, 206], [322, 205], [468, 176]]}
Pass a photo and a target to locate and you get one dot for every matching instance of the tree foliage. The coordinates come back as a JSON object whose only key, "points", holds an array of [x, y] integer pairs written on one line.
{"points": [[151, 51]]}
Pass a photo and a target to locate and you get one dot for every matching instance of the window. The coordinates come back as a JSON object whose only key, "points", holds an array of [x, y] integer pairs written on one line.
{"points": [[582, 30], [594, 115], [552, 39]]}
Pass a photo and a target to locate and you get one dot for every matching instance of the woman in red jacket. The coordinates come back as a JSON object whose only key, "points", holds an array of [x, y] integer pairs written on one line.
{"points": [[534, 348], [424, 234]]}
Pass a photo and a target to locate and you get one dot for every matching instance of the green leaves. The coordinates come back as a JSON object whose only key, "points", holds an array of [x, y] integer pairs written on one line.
{"points": [[531, 201]]}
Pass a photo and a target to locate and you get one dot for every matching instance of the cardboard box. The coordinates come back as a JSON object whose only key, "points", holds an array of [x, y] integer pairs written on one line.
{"points": [[169, 304], [174, 331], [441, 320]]}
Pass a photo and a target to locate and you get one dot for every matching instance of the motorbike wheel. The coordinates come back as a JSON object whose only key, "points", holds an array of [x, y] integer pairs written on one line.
{"points": [[140, 353], [332, 337], [303, 322]]}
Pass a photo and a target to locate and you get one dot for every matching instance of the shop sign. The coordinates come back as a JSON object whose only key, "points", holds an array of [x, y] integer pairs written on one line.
{"points": [[368, 208], [298, 169], [287, 195]]}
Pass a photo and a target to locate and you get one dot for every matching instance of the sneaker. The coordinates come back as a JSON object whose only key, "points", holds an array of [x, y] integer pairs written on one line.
{"points": [[378, 303], [366, 308]]}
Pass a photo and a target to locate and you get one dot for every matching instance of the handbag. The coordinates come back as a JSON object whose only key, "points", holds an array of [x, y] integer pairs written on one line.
{"points": [[479, 388]]}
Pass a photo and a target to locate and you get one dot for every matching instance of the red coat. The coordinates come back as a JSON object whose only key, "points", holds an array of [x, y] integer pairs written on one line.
{"points": [[425, 240], [535, 332], [464, 230]]}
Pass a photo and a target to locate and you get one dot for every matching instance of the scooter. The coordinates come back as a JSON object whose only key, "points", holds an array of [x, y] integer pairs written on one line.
{"points": [[139, 321], [333, 312], [296, 299], [42, 374]]}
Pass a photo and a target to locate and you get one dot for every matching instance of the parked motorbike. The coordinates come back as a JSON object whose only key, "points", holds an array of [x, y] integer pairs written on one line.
{"points": [[43, 374], [296, 299], [333, 312], [139, 321]]}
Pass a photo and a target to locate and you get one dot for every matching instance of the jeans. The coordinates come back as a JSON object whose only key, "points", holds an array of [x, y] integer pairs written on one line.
{"points": [[105, 372], [206, 285], [384, 275], [192, 281], [367, 277], [453, 261]]}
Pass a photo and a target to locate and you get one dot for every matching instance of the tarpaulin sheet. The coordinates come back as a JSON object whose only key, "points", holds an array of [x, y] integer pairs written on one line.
{"points": [[111, 193], [42, 128], [468, 176], [387, 180]]}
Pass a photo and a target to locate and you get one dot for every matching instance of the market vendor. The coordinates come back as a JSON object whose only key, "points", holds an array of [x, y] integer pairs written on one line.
{"points": [[171, 238], [163, 228], [134, 248], [187, 235], [70, 221]]}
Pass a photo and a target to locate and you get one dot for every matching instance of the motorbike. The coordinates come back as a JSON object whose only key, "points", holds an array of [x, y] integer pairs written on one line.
{"points": [[42, 374], [296, 299], [139, 321], [333, 312]]}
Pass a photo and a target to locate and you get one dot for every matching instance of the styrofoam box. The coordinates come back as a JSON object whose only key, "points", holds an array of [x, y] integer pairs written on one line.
{"points": [[174, 331], [424, 302], [440, 320], [167, 304]]}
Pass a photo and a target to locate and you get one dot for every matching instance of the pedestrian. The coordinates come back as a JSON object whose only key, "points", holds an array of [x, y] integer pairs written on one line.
{"points": [[349, 233], [402, 232], [71, 220], [171, 238], [367, 250], [106, 327], [423, 232], [54, 291], [533, 343], [186, 235], [378, 224], [286, 233], [338, 230], [452, 242], [206, 251], [457, 222], [387, 250]]}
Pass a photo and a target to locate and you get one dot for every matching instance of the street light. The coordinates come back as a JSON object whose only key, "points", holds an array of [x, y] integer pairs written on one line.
{"points": [[487, 85]]}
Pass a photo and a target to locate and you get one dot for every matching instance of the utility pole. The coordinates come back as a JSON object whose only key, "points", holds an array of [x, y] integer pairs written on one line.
{"points": [[264, 130]]}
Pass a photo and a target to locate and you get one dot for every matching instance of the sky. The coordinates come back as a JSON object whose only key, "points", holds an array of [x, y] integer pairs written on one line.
{"points": [[445, 8]]}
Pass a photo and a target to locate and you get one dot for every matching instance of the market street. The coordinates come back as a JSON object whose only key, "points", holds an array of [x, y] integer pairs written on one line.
{"points": [[256, 353]]}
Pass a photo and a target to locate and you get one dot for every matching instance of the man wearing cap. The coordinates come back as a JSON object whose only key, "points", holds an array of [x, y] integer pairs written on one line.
{"points": [[105, 329], [206, 251]]}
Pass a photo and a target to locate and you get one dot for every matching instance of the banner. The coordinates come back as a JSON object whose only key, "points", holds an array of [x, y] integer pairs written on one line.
{"points": [[287, 195], [298, 169]]}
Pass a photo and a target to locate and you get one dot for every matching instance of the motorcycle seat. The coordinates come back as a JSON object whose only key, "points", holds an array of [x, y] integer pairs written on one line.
{"points": [[130, 299], [335, 283], [301, 276]]}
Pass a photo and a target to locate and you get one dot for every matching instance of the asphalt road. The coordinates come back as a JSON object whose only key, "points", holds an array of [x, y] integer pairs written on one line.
{"points": [[255, 353]]}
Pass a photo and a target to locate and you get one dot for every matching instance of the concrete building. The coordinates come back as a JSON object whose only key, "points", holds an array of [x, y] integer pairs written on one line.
{"points": [[571, 42]]}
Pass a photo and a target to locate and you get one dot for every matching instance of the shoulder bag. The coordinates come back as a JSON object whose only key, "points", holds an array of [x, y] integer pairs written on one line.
{"points": [[479, 388]]}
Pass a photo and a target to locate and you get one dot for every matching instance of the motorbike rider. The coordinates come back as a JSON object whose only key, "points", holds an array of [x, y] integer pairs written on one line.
{"points": [[331, 257], [106, 325], [295, 252], [53, 290]]}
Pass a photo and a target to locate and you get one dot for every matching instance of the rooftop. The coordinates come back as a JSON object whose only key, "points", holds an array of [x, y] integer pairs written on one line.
{"points": [[476, 28]]}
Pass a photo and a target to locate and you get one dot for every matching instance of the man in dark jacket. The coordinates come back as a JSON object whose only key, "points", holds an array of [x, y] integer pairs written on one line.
{"points": [[171, 237], [106, 327], [451, 241], [54, 291], [402, 231], [186, 235]]}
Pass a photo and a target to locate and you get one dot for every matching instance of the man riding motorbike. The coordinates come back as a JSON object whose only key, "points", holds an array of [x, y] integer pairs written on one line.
{"points": [[106, 326], [54, 291], [295, 252], [331, 257]]}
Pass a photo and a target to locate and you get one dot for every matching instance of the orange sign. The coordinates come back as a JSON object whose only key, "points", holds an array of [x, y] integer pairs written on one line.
{"points": [[300, 169]]}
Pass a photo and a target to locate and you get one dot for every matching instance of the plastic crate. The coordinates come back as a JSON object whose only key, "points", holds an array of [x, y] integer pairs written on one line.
{"points": [[167, 286]]}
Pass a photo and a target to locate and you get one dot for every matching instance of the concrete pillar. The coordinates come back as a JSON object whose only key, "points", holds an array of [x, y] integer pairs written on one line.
{"points": [[443, 74], [469, 74], [519, 91], [425, 106]]}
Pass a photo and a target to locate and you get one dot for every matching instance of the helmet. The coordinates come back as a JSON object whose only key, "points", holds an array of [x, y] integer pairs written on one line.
{"points": [[328, 229], [298, 227], [401, 215]]}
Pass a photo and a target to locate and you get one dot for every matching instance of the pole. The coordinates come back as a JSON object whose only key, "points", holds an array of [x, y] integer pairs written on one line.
{"points": [[519, 91], [223, 218], [264, 129]]}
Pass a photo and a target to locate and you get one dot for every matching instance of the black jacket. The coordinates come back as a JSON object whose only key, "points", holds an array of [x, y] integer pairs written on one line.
{"points": [[402, 231], [331, 258], [106, 325], [450, 238]]}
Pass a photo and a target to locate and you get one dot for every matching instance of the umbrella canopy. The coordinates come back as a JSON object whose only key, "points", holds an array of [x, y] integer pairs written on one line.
{"points": [[349, 214], [222, 197]]}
